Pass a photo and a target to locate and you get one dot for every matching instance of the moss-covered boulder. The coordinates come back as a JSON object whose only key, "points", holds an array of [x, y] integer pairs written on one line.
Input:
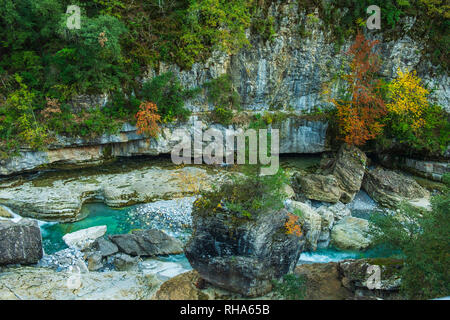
{"points": [[242, 254]]}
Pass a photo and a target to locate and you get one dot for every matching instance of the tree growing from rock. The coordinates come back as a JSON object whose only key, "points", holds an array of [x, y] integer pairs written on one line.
{"points": [[360, 109], [147, 119]]}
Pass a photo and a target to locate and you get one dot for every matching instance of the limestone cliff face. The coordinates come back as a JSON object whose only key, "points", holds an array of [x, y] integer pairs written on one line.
{"points": [[290, 71], [287, 73]]}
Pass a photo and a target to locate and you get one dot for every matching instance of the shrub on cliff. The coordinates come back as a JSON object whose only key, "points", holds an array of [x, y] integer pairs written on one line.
{"points": [[246, 195], [424, 239], [167, 93]]}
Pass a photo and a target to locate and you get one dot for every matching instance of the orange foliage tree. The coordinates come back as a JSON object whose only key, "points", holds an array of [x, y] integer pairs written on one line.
{"points": [[147, 119], [291, 225], [359, 112]]}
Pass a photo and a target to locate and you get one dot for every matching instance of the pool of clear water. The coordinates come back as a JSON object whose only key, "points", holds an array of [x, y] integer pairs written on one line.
{"points": [[117, 221], [124, 220]]}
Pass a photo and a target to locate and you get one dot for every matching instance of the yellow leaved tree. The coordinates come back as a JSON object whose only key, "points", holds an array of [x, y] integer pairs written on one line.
{"points": [[409, 99]]}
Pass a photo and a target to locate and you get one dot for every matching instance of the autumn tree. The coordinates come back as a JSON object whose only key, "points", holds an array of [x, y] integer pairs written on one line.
{"points": [[414, 121], [360, 109], [408, 99], [292, 226], [147, 119]]}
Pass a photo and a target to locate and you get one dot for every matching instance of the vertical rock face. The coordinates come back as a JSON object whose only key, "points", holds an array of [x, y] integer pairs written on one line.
{"points": [[20, 243], [243, 255], [288, 73], [303, 136], [290, 70]]}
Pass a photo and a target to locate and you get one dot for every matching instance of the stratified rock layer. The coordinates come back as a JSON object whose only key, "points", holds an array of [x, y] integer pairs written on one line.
{"points": [[343, 182], [391, 189], [46, 284]]}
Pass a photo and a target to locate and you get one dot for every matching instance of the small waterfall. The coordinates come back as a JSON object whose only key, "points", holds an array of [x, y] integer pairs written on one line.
{"points": [[326, 255]]}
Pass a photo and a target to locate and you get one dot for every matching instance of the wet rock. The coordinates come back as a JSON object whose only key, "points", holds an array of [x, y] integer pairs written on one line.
{"points": [[147, 243], [391, 189], [350, 233], [82, 239], [242, 255], [104, 247], [47, 284], [124, 262], [94, 261], [20, 242]]}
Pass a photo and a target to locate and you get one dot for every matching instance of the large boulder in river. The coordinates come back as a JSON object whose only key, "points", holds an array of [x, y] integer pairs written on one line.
{"points": [[147, 243], [82, 239], [242, 254], [390, 189], [351, 233], [104, 247], [310, 220], [349, 170], [20, 242], [341, 184], [318, 187], [317, 223]]}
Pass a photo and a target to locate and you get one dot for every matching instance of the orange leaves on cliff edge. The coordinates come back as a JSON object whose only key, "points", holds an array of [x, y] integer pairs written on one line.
{"points": [[291, 225], [147, 119], [360, 111]]}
